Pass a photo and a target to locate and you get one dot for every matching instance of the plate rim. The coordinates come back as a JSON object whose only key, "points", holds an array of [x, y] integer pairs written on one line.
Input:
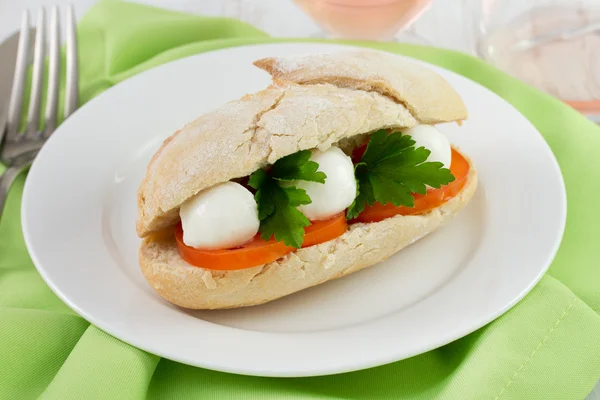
{"points": [[127, 338]]}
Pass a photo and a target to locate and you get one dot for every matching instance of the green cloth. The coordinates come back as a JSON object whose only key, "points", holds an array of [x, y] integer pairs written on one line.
{"points": [[546, 347]]}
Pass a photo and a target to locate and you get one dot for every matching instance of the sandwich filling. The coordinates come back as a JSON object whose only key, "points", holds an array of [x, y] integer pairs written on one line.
{"points": [[310, 197]]}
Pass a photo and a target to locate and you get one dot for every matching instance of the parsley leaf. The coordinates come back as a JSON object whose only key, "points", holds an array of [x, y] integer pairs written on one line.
{"points": [[258, 179], [391, 169], [277, 211], [277, 204], [364, 193], [297, 167]]}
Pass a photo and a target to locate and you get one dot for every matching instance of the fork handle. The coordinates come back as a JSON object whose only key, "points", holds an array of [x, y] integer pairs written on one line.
{"points": [[6, 181]]}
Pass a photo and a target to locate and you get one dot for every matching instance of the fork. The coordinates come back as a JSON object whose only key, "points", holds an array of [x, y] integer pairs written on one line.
{"points": [[18, 149]]}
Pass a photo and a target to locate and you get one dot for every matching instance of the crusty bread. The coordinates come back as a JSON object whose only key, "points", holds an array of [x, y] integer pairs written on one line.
{"points": [[363, 245], [339, 97], [428, 97]]}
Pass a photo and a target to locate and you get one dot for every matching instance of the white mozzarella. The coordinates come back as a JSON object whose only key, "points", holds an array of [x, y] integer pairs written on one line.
{"points": [[339, 189], [221, 217], [433, 140]]}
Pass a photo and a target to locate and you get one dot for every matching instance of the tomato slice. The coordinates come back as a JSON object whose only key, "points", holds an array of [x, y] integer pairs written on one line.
{"points": [[358, 152], [423, 202], [258, 251], [326, 230]]}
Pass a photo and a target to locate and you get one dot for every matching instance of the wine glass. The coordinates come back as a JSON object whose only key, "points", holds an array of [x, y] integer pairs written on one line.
{"points": [[364, 19], [551, 44]]}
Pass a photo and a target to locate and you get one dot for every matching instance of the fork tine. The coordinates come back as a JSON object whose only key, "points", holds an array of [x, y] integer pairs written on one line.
{"points": [[71, 97], [33, 115], [16, 96], [53, 73]]}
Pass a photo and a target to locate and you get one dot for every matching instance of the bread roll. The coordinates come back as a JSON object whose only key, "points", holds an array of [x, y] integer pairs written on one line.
{"points": [[314, 102]]}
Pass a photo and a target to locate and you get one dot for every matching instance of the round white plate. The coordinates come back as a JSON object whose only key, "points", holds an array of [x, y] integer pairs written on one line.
{"points": [[79, 210]]}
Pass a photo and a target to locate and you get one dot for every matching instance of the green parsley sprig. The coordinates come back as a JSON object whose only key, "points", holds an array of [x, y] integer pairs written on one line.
{"points": [[391, 169], [277, 203]]}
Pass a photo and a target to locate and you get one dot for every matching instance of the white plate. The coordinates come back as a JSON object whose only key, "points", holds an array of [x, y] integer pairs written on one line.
{"points": [[79, 210]]}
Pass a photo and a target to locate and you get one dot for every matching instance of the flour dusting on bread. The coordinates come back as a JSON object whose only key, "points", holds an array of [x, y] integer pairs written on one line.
{"points": [[425, 94]]}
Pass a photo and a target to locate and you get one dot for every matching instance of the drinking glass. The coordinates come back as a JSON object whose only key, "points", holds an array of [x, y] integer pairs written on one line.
{"points": [[364, 19], [551, 44]]}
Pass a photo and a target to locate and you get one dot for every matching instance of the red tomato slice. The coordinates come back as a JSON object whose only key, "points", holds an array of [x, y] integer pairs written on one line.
{"points": [[324, 231], [423, 202], [258, 251], [358, 152]]}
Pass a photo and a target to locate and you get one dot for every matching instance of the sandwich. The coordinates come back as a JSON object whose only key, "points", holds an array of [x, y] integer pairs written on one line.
{"points": [[334, 167]]}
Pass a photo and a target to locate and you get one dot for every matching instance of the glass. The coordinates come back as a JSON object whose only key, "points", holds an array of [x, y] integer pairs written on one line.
{"points": [[551, 44], [364, 19]]}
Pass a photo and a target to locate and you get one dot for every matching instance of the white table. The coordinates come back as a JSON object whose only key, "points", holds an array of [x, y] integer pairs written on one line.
{"points": [[448, 23]]}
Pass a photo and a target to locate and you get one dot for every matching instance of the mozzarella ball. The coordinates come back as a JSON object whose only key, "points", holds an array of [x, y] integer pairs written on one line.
{"points": [[433, 140], [221, 217], [339, 189]]}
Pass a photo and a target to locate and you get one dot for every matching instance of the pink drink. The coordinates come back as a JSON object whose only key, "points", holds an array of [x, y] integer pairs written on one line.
{"points": [[364, 19], [549, 44]]}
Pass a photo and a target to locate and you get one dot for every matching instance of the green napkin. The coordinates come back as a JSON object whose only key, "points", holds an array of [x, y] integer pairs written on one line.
{"points": [[546, 347]]}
